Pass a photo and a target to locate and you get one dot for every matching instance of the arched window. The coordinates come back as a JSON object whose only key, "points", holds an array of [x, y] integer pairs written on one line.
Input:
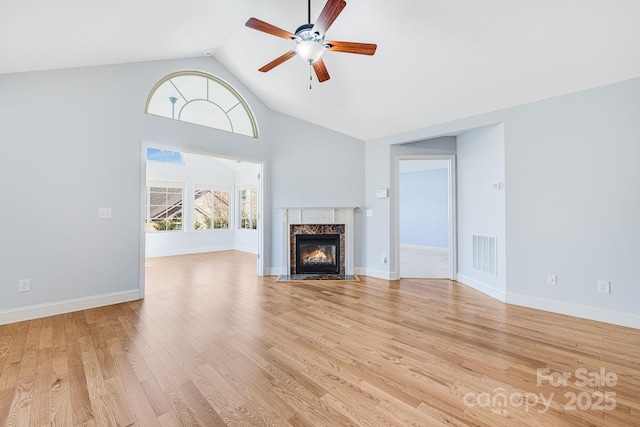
{"points": [[203, 99]]}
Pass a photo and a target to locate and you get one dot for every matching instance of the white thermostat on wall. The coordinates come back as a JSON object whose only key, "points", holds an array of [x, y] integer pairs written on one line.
{"points": [[382, 193]]}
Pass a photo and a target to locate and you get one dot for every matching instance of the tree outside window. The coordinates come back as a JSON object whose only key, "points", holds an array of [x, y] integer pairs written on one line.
{"points": [[211, 209], [249, 208], [221, 209]]}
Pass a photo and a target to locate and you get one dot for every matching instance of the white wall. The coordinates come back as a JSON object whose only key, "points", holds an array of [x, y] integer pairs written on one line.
{"points": [[481, 209], [312, 167], [571, 199], [71, 142], [378, 226], [573, 202]]}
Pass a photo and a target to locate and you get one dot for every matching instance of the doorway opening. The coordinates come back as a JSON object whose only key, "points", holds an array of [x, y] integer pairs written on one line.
{"points": [[425, 212], [198, 202]]}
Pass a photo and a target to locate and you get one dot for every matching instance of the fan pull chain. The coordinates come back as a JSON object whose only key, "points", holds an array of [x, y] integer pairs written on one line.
{"points": [[310, 76]]}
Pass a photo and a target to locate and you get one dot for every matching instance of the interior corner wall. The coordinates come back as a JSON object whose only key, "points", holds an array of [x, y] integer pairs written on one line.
{"points": [[573, 203], [377, 226], [481, 209], [312, 166], [76, 137], [571, 199], [75, 146]]}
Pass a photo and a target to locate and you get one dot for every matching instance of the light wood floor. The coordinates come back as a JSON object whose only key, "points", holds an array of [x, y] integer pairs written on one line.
{"points": [[214, 345]]}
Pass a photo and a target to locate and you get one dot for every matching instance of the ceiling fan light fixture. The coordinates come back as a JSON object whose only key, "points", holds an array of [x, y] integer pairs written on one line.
{"points": [[309, 50], [310, 42]]}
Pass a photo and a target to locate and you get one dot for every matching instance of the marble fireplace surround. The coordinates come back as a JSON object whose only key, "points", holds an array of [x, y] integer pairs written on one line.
{"points": [[313, 220]]}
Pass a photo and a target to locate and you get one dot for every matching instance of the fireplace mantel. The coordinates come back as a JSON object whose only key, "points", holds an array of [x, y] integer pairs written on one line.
{"points": [[317, 215]]}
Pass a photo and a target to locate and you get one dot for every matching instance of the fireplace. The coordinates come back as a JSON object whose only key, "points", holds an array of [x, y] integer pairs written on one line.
{"points": [[323, 251], [317, 254], [332, 257]]}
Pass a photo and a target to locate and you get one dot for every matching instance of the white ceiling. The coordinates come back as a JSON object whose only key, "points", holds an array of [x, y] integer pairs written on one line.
{"points": [[437, 60]]}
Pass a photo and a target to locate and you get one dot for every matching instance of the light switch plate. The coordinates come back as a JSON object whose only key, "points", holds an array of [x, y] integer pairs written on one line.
{"points": [[104, 213], [382, 193]]}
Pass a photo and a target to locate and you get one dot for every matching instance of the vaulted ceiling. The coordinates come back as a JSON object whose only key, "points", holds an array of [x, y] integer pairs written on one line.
{"points": [[437, 60]]}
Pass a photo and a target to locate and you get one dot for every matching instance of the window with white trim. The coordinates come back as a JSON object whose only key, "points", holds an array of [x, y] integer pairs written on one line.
{"points": [[212, 207], [248, 209], [164, 206], [202, 99]]}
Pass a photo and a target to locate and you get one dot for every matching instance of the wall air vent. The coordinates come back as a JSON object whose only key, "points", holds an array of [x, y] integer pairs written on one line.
{"points": [[484, 254]]}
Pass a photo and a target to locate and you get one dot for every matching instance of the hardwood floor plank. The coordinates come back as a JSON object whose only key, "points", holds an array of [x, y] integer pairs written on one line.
{"points": [[171, 390], [80, 399], [201, 407], [96, 388], [156, 397], [21, 408], [116, 402], [60, 396], [213, 344], [139, 404], [9, 376], [6, 398], [170, 419], [19, 339], [40, 414]]}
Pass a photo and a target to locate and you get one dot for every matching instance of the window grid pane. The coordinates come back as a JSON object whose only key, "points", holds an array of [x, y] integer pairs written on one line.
{"points": [[221, 209], [245, 209], [164, 209], [254, 208], [201, 98], [202, 210]]}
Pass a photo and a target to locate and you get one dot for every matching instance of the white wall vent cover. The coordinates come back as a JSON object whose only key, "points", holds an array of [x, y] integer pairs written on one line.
{"points": [[484, 254]]}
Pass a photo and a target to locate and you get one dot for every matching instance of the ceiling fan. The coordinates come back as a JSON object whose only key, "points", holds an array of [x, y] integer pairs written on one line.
{"points": [[310, 42]]}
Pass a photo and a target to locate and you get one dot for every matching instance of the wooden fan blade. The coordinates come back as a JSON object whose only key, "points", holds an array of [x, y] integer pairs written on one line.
{"points": [[351, 47], [321, 70], [265, 27], [329, 14], [279, 60]]}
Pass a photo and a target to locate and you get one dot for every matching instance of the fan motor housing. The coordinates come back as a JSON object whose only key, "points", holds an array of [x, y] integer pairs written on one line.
{"points": [[305, 33]]}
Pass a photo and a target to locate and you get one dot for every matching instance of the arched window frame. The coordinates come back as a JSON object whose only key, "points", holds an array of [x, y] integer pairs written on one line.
{"points": [[210, 79]]}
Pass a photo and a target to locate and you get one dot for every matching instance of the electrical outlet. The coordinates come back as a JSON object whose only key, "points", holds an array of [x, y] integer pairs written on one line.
{"points": [[552, 279], [24, 285], [604, 286], [384, 258]]}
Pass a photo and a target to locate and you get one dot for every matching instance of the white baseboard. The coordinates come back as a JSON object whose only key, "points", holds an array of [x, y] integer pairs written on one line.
{"points": [[67, 306], [272, 271], [245, 249], [585, 312], [379, 274], [482, 287]]}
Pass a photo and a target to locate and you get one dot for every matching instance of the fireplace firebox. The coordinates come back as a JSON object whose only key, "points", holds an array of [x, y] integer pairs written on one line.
{"points": [[318, 254]]}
